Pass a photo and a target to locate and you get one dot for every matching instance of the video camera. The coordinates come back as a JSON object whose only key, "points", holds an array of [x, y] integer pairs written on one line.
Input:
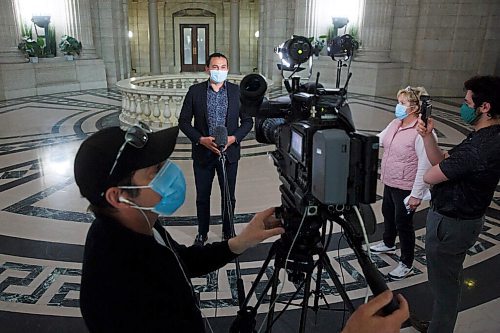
{"points": [[328, 172], [323, 162]]}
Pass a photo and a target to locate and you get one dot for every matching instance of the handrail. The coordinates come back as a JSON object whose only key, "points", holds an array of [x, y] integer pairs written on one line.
{"points": [[157, 100]]}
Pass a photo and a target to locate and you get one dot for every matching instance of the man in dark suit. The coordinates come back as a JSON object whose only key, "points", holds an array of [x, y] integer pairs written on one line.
{"points": [[213, 103]]}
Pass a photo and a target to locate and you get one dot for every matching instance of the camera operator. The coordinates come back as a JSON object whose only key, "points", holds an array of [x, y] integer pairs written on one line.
{"points": [[135, 276], [464, 180]]}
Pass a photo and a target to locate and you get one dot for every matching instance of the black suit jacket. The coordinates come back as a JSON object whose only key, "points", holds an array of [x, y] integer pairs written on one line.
{"points": [[195, 106]]}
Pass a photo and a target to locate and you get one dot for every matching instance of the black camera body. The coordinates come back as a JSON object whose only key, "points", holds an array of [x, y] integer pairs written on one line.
{"points": [[321, 160], [328, 172]]}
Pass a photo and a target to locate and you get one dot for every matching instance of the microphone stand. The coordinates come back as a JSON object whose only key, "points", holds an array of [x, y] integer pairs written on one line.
{"points": [[228, 207]]}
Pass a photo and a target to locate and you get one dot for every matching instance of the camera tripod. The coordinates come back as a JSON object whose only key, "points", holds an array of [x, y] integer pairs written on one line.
{"points": [[301, 262]]}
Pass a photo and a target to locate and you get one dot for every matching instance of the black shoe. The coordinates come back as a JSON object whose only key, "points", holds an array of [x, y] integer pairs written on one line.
{"points": [[227, 236], [200, 240]]}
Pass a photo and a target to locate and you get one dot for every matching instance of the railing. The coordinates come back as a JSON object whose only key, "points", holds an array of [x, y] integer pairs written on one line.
{"points": [[157, 100]]}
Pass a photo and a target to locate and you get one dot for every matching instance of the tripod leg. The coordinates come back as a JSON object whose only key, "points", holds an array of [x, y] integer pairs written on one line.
{"points": [[305, 302], [245, 319], [274, 291], [338, 285]]}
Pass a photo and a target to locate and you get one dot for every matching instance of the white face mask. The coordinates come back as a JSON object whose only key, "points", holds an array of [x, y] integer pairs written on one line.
{"points": [[218, 76]]}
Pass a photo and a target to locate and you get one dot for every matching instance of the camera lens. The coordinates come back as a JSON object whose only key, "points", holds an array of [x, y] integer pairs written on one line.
{"points": [[266, 129]]}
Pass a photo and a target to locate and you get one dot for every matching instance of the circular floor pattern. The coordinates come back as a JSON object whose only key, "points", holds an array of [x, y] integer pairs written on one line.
{"points": [[43, 219]]}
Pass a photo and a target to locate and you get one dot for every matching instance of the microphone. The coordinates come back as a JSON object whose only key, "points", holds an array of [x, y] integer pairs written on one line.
{"points": [[220, 135]]}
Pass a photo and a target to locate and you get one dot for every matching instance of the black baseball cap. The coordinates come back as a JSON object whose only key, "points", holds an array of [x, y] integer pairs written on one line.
{"points": [[98, 152]]}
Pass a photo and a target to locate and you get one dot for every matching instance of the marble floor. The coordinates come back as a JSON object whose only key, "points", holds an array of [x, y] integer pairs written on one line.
{"points": [[43, 223]]}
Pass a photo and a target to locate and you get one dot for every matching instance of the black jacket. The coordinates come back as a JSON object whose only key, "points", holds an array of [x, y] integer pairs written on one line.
{"points": [[130, 283], [195, 105]]}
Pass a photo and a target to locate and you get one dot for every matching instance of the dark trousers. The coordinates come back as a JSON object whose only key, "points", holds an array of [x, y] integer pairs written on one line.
{"points": [[446, 243], [203, 178], [397, 221]]}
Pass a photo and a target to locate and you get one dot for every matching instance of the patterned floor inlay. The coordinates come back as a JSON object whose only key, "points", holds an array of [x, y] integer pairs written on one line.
{"points": [[43, 220]]}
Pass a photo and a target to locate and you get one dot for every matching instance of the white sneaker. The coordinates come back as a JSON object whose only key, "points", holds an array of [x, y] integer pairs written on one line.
{"points": [[382, 248], [400, 272]]}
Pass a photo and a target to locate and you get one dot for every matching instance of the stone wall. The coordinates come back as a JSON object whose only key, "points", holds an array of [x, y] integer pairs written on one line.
{"points": [[173, 13], [444, 42]]}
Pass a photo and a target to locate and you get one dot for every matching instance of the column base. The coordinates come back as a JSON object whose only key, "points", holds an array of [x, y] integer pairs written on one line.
{"points": [[370, 78], [51, 75], [377, 78], [11, 56]]}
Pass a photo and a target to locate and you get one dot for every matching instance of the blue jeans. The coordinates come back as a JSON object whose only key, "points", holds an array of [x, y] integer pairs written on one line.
{"points": [[446, 243]]}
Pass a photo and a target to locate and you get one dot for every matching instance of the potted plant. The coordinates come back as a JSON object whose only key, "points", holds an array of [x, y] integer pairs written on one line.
{"points": [[70, 46], [354, 32], [31, 48], [317, 44]]}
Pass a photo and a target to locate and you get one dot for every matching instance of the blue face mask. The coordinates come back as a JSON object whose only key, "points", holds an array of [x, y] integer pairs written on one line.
{"points": [[400, 111], [170, 184], [468, 114], [218, 76]]}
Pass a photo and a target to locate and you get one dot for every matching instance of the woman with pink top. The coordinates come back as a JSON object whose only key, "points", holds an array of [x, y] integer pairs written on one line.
{"points": [[404, 163]]}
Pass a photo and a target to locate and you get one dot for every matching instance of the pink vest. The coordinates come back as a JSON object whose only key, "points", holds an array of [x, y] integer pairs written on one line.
{"points": [[400, 161]]}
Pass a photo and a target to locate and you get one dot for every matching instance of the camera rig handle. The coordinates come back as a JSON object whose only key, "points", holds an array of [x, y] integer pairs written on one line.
{"points": [[373, 277]]}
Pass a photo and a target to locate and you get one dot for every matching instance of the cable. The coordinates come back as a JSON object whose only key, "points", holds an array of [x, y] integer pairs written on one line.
{"points": [[367, 248], [341, 272], [198, 305]]}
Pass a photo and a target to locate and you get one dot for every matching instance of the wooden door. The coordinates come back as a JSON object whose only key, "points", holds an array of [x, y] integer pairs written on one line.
{"points": [[194, 47]]}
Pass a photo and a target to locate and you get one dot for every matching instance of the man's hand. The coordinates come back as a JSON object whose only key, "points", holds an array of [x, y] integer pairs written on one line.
{"points": [[209, 142], [367, 320], [230, 140], [424, 130], [262, 226]]}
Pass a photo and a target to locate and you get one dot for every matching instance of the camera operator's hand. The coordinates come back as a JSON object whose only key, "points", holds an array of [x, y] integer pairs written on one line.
{"points": [[262, 226], [209, 142], [367, 320], [424, 130]]}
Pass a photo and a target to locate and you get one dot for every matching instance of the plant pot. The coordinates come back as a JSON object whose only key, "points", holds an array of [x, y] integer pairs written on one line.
{"points": [[34, 60], [69, 57]]}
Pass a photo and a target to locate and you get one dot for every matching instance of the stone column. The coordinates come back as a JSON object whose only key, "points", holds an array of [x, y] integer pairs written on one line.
{"points": [[304, 18], [234, 44], [275, 27], [9, 34], [154, 38], [375, 33], [79, 26]]}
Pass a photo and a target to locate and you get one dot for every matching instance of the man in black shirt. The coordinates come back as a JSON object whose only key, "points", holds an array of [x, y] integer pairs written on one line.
{"points": [[135, 277], [464, 180]]}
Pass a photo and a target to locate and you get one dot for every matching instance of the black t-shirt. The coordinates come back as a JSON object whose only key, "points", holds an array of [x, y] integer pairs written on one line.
{"points": [[131, 283], [473, 172]]}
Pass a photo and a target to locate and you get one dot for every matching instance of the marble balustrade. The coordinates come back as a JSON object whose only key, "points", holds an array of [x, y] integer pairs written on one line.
{"points": [[157, 100]]}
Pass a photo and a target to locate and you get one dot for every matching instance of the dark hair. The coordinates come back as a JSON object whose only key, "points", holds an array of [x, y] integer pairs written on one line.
{"points": [[104, 209], [485, 89], [215, 55]]}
